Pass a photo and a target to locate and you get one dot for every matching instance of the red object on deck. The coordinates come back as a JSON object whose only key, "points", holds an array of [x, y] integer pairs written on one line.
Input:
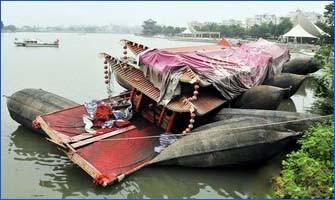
{"points": [[102, 114]]}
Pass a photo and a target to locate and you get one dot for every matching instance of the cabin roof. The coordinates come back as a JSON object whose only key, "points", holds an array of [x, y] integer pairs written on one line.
{"points": [[138, 48], [187, 76], [205, 103]]}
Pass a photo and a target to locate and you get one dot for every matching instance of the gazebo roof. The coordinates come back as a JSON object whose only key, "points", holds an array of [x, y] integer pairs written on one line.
{"points": [[304, 28], [298, 31]]}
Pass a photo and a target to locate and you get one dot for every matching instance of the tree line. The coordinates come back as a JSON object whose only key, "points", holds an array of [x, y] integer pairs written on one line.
{"points": [[151, 28], [264, 30]]}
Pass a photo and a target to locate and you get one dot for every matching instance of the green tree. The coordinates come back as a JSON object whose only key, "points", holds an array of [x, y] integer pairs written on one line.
{"points": [[237, 31], [272, 29], [150, 28], [328, 15], [308, 172], [10, 28], [328, 25], [284, 26], [324, 80]]}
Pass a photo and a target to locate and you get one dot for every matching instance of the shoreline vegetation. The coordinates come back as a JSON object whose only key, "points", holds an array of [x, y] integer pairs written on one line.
{"points": [[308, 172], [150, 28]]}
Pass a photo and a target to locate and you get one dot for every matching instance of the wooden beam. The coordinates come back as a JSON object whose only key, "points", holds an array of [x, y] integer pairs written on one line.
{"points": [[101, 137], [55, 142], [161, 116], [81, 137], [56, 136], [84, 164], [138, 105], [171, 122]]}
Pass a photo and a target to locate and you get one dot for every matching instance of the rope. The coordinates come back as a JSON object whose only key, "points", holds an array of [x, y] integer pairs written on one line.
{"points": [[231, 129]]}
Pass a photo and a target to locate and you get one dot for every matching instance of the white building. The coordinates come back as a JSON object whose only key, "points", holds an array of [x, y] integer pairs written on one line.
{"points": [[311, 16], [259, 19], [230, 22]]}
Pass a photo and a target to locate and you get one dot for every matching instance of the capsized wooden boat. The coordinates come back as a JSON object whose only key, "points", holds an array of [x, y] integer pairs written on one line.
{"points": [[27, 104], [228, 144], [286, 80], [289, 120], [237, 136], [260, 97], [301, 65]]}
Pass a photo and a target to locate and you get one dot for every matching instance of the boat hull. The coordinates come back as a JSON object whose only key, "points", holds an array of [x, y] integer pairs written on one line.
{"points": [[25, 105], [238, 137], [37, 45], [287, 80], [260, 97], [302, 66]]}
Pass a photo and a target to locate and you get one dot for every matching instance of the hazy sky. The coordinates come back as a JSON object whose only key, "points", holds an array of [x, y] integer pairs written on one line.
{"points": [[134, 13]]}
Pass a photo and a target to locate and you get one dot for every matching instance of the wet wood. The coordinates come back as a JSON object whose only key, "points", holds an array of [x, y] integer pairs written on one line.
{"points": [[101, 137], [86, 166], [81, 137], [56, 136]]}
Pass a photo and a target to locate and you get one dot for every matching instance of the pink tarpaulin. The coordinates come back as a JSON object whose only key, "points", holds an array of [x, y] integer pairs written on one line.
{"points": [[230, 70]]}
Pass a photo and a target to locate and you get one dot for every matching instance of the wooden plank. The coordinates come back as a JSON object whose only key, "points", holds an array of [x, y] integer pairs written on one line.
{"points": [[56, 136], [81, 137], [86, 166], [55, 142], [100, 137]]}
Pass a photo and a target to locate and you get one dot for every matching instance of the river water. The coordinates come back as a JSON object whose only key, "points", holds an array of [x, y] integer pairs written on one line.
{"points": [[33, 167]]}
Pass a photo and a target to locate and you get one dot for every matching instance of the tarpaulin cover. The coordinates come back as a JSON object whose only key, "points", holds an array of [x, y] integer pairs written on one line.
{"points": [[231, 70]]}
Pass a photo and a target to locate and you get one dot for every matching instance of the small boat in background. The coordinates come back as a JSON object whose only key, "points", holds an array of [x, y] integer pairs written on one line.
{"points": [[35, 43]]}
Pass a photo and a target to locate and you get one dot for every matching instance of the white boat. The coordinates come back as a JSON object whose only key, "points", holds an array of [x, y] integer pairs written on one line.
{"points": [[35, 43]]}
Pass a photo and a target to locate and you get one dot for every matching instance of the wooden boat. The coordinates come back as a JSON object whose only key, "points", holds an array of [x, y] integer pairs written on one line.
{"points": [[301, 65], [35, 43], [113, 153]]}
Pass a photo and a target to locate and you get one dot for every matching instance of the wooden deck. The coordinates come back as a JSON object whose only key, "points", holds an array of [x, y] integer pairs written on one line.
{"points": [[107, 156]]}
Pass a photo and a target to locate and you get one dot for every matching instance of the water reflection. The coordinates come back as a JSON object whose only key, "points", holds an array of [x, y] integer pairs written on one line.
{"points": [[302, 100], [287, 105]]}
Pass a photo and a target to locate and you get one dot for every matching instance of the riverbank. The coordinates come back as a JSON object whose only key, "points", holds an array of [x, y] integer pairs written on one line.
{"points": [[296, 48], [308, 172]]}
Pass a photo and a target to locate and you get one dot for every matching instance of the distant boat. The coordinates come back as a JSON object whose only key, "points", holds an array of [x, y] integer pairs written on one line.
{"points": [[35, 43]]}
